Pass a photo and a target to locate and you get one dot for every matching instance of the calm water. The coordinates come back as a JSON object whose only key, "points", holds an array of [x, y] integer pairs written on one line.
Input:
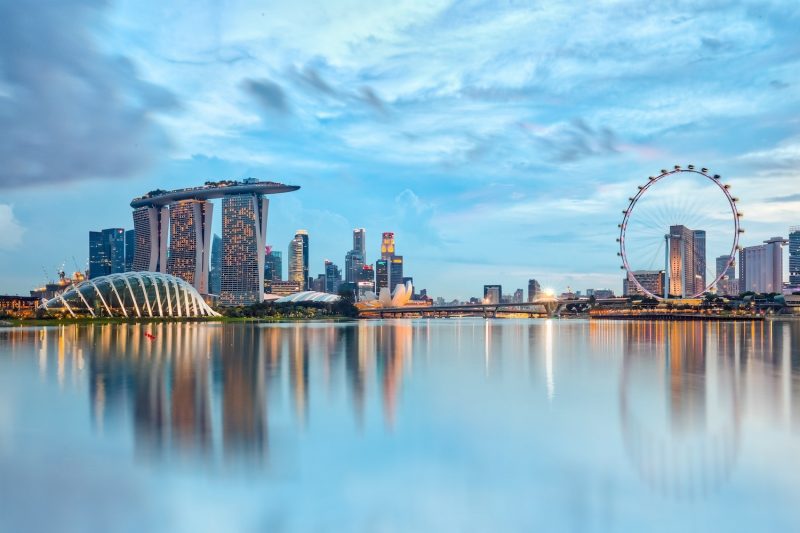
{"points": [[441, 425]]}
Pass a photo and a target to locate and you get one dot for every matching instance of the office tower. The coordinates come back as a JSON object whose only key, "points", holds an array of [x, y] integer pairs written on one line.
{"points": [[106, 252], [518, 296], [244, 229], [387, 245], [395, 272], [318, 283], [130, 247], [394, 263], [151, 226], [682, 272], [360, 242], [303, 236], [381, 274], [727, 284], [533, 289], [273, 265], [761, 267], [215, 273], [190, 242], [333, 277], [699, 260], [353, 262], [650, 280], [366, 280], [296, 268], [492, 294], [794, 256]]}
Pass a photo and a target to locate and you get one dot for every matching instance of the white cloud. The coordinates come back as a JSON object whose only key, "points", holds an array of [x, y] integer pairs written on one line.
{"points": [[10, 229]]}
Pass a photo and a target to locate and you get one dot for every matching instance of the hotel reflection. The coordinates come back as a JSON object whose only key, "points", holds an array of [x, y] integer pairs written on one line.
{"points": [[204, 392]]}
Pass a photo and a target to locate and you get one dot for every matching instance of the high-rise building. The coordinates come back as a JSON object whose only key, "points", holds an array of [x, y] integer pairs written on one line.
{"points": [[682, 273], [360, 242], [106, 252], [333, 277], [650, 280], [353, 262], [727, 284], [297, 271], [151, 227], [387, 245], [533, 289], [190, 242], [518, 296], [381, 274], [794, 256], [130, 247], [366, 280], [394, 263], [244, 229], [492, 294], [273, 265], [395, 272], [699, 236], [761, 267], [303, 236], [318, 283], [215, 273]]}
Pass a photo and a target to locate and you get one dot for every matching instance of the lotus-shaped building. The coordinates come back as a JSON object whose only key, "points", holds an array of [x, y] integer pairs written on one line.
{"points": [[133, 295], [401, 296]]}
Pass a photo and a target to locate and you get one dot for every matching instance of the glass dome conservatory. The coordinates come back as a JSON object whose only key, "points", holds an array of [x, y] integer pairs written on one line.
{"points": [[131, 294], [308, 296]]}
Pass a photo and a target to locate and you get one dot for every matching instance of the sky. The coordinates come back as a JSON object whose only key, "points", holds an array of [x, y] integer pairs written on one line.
{"points": [[500, 141]]}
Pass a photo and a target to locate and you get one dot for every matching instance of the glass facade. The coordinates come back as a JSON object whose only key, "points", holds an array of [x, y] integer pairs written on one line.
{"points": [[244, 226], [794, 256], [106, 252], [131, 294], [296, 268]]}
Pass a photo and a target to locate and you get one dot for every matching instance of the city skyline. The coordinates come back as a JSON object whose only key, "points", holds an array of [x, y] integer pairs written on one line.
{"points": [[508, 126]]}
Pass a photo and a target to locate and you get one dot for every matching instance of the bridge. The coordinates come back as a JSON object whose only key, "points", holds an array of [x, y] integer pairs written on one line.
{"points": [[545, 307]]}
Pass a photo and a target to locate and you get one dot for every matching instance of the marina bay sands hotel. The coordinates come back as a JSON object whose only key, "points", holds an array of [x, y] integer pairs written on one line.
{"points": [[173, 235]]}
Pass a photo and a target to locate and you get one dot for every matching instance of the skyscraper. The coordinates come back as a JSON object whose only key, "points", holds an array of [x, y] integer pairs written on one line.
{"points": [[295, 266], [273, 265], [492, 294], [761, 267], [517, 298], [106, 252], [190, 242], [215, 274], [682, 281], [727, 284], [333, 277], [353, 262], [360, 242], [381, 274], [699, 260], [244, 229], [303, 236], [151, 226], [794, 256], [130, 247], [394, 263], [533, 289]]}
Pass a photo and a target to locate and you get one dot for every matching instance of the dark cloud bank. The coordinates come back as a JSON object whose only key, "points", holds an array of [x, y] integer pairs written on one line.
{"points": [[69, 111]]}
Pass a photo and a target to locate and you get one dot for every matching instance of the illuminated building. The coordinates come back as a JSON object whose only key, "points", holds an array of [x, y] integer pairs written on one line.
{"points": [[215, 274], [130, 247], [682, 264], [131, 294], [283, 288], [387, 245], [395, 272], [353, 262], [106, 252], [297, 271], [244, 218], [492, 294], [366, 280], [18, 306], [244, 229], [533, 289], [303, 236], [333, 277], [699, 259], [381, 274], [151, 225], [794, 256], [650, 280], [190, 242], [761, 267]]}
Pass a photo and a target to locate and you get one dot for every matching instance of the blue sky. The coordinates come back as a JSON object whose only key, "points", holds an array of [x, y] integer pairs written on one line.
{"points": [[498, 140]]}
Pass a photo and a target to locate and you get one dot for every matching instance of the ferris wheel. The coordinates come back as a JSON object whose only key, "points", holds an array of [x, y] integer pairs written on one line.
{"points": [[672, 225]]}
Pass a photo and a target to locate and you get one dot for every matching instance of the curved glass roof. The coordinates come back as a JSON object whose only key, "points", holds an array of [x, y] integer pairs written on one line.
{"points": [[132, 294], [308, 296]]}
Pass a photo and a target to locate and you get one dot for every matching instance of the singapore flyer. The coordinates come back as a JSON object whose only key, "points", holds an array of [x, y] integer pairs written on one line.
{"points": [[679, 235]]}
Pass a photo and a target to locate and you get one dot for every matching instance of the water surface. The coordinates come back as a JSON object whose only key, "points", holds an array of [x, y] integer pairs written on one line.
{"points": [[401, 425]]}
